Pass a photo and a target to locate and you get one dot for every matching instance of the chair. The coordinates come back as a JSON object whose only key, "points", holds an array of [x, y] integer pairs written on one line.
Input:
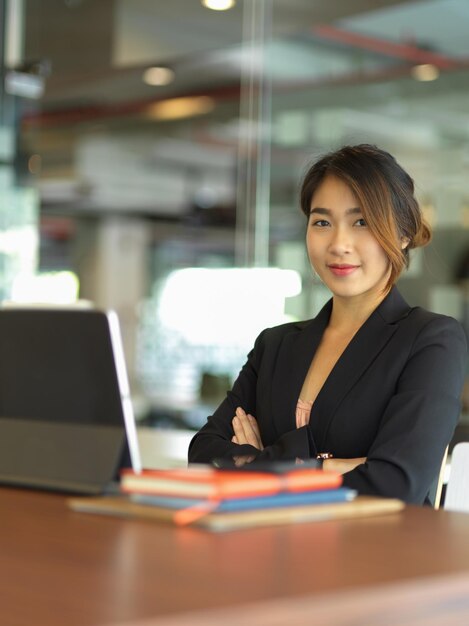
{"points": [[440, 481], [457, 490]]}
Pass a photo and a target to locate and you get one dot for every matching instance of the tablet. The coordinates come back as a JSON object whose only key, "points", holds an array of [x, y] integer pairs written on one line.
{"points": [[66, 418]]}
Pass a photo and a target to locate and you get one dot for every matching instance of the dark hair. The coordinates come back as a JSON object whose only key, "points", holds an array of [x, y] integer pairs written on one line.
{"points": [[385, 193]]}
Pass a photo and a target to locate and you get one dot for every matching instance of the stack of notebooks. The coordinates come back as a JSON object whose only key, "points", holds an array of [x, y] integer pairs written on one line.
{"points": [[224, 499]]}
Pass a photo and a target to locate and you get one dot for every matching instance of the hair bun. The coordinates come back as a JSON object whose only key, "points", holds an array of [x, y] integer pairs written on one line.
{"points": [[422, 237]]}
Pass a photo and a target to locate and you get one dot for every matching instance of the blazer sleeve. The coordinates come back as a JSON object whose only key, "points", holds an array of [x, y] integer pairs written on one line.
{"points": [[214, 439], [419, 419]]}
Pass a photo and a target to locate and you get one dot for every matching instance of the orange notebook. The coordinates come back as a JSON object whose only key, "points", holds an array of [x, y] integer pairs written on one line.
{"points": [[211, 483]]}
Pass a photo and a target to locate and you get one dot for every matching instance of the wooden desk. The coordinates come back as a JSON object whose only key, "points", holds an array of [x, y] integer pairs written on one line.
{"points": [[63, 568]]}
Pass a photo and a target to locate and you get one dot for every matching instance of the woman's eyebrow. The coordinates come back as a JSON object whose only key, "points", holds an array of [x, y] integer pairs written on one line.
{"points": [[320, 211]]}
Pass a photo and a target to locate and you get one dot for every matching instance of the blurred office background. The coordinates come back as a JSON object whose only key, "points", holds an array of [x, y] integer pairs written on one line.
{"points": [[151, 152]]}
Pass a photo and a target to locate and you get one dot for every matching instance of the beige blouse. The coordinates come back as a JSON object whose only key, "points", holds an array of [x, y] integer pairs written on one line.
{"points": [[303, 410]]}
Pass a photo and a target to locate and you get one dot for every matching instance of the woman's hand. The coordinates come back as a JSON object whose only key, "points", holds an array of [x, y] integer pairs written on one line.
{"points": [[246, 431], [342, 465]]}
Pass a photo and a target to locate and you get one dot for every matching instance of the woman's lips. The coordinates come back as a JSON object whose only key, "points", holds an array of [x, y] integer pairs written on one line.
{"points": [[342, 270]]}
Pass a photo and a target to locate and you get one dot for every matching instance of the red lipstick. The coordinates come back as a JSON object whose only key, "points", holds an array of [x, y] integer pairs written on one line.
{"points": [[342, 269]]}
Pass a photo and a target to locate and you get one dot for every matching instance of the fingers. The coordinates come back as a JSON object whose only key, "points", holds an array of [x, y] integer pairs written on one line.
{"points": [[246, 429], [255, 427], [242, 460], [243, 429]]}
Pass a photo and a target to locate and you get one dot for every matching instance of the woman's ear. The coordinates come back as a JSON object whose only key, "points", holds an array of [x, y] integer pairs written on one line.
{"points": [[404, 242]]}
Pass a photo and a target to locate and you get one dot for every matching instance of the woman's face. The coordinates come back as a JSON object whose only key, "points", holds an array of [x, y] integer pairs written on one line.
{"points": [[341, 248]]}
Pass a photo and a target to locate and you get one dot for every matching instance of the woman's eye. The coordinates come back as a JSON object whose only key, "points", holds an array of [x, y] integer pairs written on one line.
{"points": [[320, 223], [361, 222]]}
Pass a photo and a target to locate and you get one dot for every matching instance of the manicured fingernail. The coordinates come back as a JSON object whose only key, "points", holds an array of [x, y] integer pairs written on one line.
{"points": [[239, 411], [235, 421]]}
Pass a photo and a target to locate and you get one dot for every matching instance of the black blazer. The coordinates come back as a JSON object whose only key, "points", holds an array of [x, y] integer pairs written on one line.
{"points": [[393, 397]]}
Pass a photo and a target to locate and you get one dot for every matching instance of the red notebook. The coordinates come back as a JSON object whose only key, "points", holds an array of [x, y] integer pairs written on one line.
{"points": [[211, 483]]}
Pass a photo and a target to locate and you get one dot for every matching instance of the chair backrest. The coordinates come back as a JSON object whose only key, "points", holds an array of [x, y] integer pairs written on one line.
{"points": [[457, 490], [440, 481]]}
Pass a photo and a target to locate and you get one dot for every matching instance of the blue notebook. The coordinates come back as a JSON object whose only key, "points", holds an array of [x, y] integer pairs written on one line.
{"points": [[341, 494]]}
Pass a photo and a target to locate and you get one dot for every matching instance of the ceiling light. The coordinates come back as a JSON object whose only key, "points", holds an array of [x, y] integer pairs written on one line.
{"points": [[158, 76], [24, 84], [178, 108], [425, 72], [219, 5]]}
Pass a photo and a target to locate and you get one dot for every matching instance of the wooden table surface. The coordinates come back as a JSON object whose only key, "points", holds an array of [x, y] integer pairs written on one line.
{"points": [[58, 567]]}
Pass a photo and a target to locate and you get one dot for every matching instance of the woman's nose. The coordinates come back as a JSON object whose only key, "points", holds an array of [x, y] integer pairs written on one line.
{"points": [[341, 241]]}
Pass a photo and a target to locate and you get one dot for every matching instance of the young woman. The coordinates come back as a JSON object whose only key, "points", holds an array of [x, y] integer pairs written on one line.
{"points": [[370, 384]]}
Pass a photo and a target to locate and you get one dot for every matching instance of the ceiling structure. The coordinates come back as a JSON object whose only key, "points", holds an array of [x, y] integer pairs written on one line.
{"points": [[98, 51], [339, 71]]}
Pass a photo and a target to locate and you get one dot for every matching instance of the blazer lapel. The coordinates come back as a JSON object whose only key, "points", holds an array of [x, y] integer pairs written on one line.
{"points": [[293, 361], [368, 342]]}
